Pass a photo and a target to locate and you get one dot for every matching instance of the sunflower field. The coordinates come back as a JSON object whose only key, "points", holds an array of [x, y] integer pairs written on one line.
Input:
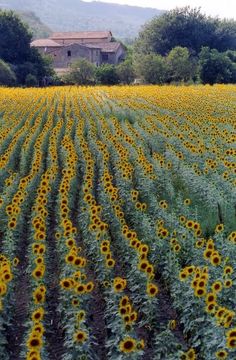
{"points": [[118, 223]]}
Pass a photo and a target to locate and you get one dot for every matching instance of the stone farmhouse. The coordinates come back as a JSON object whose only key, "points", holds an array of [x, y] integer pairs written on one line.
{"points": [[67, 47]]}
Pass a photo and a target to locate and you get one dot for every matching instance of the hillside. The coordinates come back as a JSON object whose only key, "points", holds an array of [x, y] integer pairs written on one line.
{"points": [[64, 15], [38, 29]]}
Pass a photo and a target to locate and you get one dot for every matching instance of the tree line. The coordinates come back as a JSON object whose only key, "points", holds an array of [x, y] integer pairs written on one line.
{"points": [[180, 46], [19, 63]]}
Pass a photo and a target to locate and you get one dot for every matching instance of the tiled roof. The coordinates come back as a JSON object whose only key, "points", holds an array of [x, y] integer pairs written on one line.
{"points": [[105, 46], [81, 35], [45, 43]]}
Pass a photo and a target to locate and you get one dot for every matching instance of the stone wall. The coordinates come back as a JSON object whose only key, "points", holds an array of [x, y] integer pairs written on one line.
{"points": [[64, 57]]}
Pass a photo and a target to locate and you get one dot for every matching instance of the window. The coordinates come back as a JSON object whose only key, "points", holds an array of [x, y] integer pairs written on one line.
{"points": [[104, 57], [68, 53]]}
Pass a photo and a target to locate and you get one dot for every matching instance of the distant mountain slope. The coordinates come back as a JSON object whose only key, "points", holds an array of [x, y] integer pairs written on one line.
{"points": [[63, 15], [38, 29]]}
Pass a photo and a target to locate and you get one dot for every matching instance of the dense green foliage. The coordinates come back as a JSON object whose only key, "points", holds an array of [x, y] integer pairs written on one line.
{"points": [[183, 45], [15, 50], [14, 40], [216, 67], [152, 68], [107, 74], [82, 73], [7, 76], [186, 27], [126, 72]]}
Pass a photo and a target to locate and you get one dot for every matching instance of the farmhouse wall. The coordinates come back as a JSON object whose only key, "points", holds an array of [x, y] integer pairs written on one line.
{"points": [[65, 56]]}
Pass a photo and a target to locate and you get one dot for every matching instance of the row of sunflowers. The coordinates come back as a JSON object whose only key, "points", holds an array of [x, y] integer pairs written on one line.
{"points": [[118, 223]]}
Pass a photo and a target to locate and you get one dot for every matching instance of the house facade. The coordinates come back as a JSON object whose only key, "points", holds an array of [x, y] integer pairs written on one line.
{"points": [[67, 47]]}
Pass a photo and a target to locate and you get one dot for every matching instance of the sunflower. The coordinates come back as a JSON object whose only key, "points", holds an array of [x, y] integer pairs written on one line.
{"points": [[200, 291], [189, 224], [215, 259], [38, 314], [207, 254], [38, 297], [187, 202], [228, 270], [177, 248], [211, 308], [143, 265], [138, 205], [67, 283], [196, 226], [128, 345], [70, 258], [80, 336], [39, 260], [152, 290], [133, 316], [38, 273], [70, 242], [33, 355], [231, 343], [104, 249], [34, 342], [210, 298], [172, 324], [216, 286], [231, 333], [89, 286], [183, 275], [190, 269], [124, 301], [38, 327], [143, 249], [219, 228], [123, 310], [140, 345], [182, 219], [3, 288], [144, 206], [220, 314], [80, 316], [110, 263], [106, 284], [119, 284], [221, 354], [228, 283], [191, 354], [75, 302], [16, 261], [80, 289]]}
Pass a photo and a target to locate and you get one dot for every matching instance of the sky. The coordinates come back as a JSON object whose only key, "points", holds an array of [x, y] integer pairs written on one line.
{"points": [[221, 8]]}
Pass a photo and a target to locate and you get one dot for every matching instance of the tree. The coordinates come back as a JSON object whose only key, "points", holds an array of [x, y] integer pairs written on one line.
{"points": [[106, 74], [225, 38], [216, 67], [82, 72], [188, 28], [180, 65], [15, 49], [15, 38], [7, 76], [153, 68], [31, 80], [125, 71]]}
